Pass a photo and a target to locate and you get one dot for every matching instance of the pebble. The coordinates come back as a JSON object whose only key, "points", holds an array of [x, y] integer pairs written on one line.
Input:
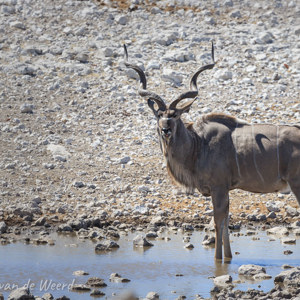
{"points": [[17, 24], [106, 246], [208, 240], [223, 74], [115, 277], [140, 241], [27, 108], [80, 273], [125, 160], [3, 227], [291, 211], [122, 20], [80, 288], [236, 14], [189, 246], [97, 293], [172, 76], [262, 276], [152, 296], [288, 240], [40, 221]]}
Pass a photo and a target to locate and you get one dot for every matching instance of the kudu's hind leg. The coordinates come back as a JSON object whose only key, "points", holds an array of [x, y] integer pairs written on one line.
{"points": [[220, 200]]}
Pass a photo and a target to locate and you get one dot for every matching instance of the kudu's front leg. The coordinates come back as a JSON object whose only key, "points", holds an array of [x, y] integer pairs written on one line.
{"points": [[220, 198]]}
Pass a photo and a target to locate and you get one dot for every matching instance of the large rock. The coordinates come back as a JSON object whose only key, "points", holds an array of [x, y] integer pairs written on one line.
{"points": [[96, 282], [290, 277], [21, 294], [251, 270], [273, 206], [223, 280], [280, 231]]}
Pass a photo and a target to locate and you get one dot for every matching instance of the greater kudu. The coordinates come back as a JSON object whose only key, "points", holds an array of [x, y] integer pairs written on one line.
{"points": [[220, 153]]}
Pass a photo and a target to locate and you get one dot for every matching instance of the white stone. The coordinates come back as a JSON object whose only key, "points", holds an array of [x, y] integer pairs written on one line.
{"points": [[172, 76], [236, 14], [123, 20], [251, 270], [273, 206], [223, 74], [280, 231], [27, 108], [17, 24], [223, 280], [58, 150]]}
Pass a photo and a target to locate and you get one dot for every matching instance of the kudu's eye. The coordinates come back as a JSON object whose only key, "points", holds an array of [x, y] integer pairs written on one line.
{"points": [[159, 114]]}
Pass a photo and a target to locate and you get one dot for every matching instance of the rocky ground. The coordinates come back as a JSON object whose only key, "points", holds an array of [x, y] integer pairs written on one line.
{"points": [[78, 145]]}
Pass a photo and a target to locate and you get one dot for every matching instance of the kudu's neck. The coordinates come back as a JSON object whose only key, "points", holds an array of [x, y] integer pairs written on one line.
{"points": [[181, 143], [181, 155]]}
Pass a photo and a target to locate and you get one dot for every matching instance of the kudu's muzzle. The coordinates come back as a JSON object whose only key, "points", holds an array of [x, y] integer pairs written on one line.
{"points": [[166, 132]]}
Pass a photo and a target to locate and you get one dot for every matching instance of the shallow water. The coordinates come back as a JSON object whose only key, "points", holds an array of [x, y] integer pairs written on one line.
{"points": [[49, 268]]}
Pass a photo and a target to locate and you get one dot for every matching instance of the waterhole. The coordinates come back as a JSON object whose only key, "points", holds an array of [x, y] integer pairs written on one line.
{"points": [[166, 268]]}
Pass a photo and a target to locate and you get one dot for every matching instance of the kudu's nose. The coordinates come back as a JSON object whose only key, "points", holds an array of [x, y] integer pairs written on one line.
{"points": [[166, 132]]}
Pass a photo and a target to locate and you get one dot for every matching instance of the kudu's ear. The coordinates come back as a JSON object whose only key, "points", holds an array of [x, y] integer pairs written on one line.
{"points": [[185, 108], [151, 104]]}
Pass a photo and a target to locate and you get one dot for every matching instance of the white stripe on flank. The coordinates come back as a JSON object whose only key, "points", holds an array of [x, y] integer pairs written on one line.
{"points": [[277, 146], [236, 155], [254, 158]]}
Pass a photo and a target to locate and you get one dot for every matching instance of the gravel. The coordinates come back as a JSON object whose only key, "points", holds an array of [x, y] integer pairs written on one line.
{"points": [[75, 133], [73, 128]]}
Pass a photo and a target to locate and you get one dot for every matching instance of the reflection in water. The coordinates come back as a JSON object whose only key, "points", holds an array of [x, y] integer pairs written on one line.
{"points": [[140, 250], [151, 269], [221, 268]]}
